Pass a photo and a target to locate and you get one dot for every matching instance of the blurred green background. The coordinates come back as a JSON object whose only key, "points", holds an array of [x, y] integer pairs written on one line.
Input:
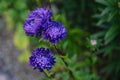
{"points": [[93, 35]]}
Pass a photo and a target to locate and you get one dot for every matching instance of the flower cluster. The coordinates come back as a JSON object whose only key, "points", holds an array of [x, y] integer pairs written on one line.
{"points": [[55, 32], [39, 23], [42, 59], [36, 20]]}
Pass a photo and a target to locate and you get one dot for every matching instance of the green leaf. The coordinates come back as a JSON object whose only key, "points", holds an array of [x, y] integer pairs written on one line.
{"points": [[112, 15], [10, 18], [20, 5], [105, 11], [108, 49], [111, 34], [24, 57], [119, 4], [20, 39], [98, 34], [102, 2], [94, 59]]}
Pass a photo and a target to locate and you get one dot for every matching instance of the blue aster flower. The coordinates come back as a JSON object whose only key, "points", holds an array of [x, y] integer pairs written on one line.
{"points": [[55, 32], [36, 21], [42, 59]]}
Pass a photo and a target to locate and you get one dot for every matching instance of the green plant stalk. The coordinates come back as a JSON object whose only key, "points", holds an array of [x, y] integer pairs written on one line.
{"points": [[60, 53], [49, 4], [38, 2], [46, 3], [47, 74]]}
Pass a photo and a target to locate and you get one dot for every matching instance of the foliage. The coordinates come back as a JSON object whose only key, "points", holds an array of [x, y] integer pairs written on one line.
{"points": [[109, 22]]}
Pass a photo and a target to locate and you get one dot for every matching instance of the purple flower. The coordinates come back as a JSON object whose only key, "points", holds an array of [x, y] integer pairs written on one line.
{"points": [[36, 21], [55, 32], [93, 42], [42, 59]]}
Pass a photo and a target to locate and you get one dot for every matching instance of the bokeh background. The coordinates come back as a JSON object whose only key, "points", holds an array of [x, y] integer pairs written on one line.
{"points": [[92, 44]]}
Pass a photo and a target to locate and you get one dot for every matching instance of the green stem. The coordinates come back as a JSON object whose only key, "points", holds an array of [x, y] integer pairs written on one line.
{"points": [[38, 3], [46, 73], [46, 3], [66, 64], [49, 4]]}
